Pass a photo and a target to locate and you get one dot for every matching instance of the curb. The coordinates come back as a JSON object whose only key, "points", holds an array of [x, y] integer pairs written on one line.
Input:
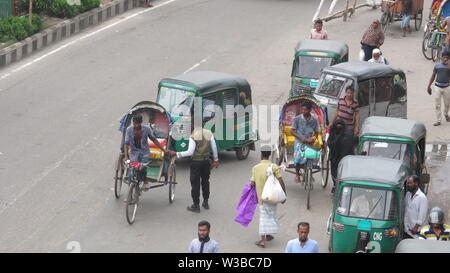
{"points": [[62, 30]]}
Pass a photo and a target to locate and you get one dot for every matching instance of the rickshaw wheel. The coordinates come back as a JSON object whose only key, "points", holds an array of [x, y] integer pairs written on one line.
{"points": [[132, 203], [426, 49], [324, 166], [172, 178], [385, 19], [308, 187], [118, 177], [418, 20], [242, 152]]}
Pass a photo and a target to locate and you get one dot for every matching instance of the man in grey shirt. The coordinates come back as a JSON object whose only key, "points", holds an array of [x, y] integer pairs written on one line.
{"points": [[441, 74], [203, 244]]}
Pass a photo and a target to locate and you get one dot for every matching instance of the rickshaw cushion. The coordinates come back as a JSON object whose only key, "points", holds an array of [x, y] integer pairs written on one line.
{"points": [[155, 152]]}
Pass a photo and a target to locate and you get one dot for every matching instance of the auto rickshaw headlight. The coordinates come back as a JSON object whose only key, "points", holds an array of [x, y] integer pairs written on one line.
{"points": [[338, 226], [391, 232]]}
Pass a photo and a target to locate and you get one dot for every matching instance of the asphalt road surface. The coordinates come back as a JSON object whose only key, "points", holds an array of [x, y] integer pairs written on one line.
{"points": [[60, 111]]}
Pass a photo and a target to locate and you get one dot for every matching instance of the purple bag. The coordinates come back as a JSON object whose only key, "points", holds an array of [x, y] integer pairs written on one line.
{"points": [[247, 205]]}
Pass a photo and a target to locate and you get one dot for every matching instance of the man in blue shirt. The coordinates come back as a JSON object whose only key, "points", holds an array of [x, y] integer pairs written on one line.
{"points": [[305, 129], [203, 244], [302, 244], [440, 77]]}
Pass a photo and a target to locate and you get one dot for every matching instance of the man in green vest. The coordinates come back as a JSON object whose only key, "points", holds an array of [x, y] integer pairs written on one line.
{"points": [[200, 144]]}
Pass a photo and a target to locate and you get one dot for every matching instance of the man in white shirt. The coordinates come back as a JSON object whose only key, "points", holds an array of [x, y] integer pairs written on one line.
{"points": [[377, 58], [200, 143], [416, 208]]}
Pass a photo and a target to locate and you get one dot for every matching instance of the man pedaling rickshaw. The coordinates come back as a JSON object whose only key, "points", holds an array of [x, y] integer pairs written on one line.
{"points": [[136, 140]]}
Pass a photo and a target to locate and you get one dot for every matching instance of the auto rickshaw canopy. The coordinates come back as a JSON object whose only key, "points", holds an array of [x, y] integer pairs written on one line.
{"points": [[362, 70], [208, 81], [329, 46], [422, 246], [372, 169], [393, 127]]}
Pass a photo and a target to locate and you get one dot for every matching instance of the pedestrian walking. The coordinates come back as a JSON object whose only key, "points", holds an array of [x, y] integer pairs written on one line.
{"points": [[302, 244], [416, 208], [203, 244], [377, 57], [440, 77], [318, 32], [268, 222], [406, 14], [373, 38], [340, 143], [200, 144]]}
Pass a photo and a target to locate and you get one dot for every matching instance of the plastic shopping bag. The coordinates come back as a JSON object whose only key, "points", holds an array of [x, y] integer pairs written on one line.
{"points": [[247, 205], [272, 191]]}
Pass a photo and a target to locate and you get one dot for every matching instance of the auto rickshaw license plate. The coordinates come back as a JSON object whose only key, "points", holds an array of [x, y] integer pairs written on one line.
{"points": [[364, 225]]}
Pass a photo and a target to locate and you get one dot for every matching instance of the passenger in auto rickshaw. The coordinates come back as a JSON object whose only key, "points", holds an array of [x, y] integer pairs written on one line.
{"points": [[305, 128]]}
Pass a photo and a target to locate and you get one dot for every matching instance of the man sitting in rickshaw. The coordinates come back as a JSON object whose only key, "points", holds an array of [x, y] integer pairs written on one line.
{"points": [[305, 129], [136, 140]]}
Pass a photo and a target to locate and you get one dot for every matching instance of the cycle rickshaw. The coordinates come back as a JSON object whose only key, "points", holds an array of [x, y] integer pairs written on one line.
{"points": [[392, 11], [160, 171], [284, 152]]}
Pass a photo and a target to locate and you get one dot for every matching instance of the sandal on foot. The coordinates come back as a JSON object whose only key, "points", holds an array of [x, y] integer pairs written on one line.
{"points": [[258, 243], [437, 123], [269, 237]]}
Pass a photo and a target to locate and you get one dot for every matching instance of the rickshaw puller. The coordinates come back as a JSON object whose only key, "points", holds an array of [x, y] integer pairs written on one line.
{"points": [[136, 140], [305, 129]]}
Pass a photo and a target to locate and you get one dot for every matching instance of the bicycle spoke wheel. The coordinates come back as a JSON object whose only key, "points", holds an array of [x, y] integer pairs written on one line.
{"points": [[118, 177], [132, 203], [426, 46], [385, 19]]}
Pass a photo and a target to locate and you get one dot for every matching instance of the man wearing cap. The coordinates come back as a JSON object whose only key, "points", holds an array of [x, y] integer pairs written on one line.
{"points": [[200, 143], [377, 58], [268, 222]]}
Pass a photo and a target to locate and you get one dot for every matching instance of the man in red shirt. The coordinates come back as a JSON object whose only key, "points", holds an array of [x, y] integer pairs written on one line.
{"points": [[348, 110]]}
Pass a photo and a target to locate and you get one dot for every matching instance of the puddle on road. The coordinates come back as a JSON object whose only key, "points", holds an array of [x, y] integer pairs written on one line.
{"points": [[437, 152]]}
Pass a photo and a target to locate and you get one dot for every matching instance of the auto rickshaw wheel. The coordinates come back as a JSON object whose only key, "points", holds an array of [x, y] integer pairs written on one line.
{"points": [[242, 152]]}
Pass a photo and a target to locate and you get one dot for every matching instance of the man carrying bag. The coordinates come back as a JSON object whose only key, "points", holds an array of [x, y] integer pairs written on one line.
{"points": [[268, 223]]}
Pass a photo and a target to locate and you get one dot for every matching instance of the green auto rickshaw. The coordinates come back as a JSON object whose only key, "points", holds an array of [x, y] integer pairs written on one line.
{"points": [[396, 138], [310, 57], [224, 103], [367, 211]]}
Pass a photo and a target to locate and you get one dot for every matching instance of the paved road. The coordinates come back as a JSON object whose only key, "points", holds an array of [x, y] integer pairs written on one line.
{"points": [[59, 117]]}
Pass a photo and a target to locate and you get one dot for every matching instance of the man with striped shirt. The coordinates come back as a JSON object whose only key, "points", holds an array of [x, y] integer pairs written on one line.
{"points": [[348, 111]]}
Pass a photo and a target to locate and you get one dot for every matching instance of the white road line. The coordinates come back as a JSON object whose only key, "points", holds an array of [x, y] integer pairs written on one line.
{"points": [[6, 75], [195, 66]]}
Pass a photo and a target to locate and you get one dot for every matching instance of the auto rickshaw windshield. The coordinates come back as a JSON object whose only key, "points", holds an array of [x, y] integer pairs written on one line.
{"points": [[311, 66], [332, 85], [400, 151], [368, 203], [175, 100]]}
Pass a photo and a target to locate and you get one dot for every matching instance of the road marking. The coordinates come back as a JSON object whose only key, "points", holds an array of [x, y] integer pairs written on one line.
{"points": [[6, 75], [195, 66]]}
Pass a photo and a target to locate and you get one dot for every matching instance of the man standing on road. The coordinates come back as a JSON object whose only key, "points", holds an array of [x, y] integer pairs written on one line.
{"points": [[372, 38], [203, 244], [318, 32], [441, 73], [416, 208], [348, 110], [200, 144], [268, 222], [305, 129], [302, 244]]}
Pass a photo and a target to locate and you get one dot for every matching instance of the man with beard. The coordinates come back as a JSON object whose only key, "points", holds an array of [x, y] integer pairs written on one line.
{"points": [[416, 208], [203, 244], [302, 244]]}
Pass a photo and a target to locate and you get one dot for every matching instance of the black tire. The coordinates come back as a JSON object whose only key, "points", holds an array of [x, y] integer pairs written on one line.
{"points": [[418, 20], [132, 203], [172, 178], [309, 187], [426, 49], [243, 152], [118, 177], [324, 166]]}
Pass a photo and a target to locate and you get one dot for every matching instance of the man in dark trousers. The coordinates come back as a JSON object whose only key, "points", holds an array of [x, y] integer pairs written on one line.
{"points": [[200, 144]]}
